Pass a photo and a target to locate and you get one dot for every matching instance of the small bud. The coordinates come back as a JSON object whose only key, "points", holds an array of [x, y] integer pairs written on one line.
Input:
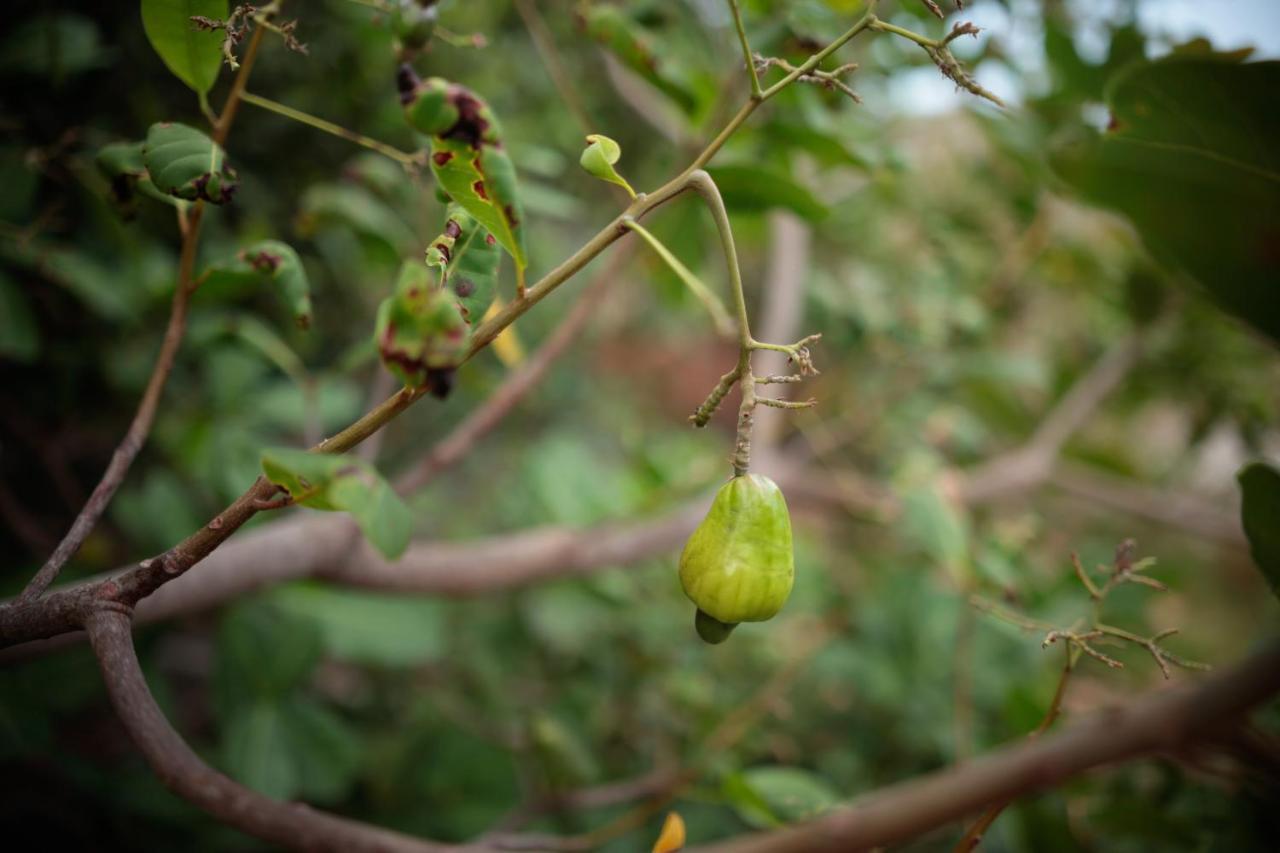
{"points": [[598, 159]]}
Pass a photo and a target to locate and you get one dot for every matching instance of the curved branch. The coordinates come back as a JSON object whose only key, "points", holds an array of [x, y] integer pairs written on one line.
{"points": [[1163, 721], [136, 435], [292, 825]]}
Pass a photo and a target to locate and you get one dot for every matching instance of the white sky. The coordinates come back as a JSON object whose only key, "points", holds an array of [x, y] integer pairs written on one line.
{"points": [[1227, 24]]}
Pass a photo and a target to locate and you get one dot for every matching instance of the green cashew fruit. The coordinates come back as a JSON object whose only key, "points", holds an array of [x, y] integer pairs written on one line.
{"points": [[738, 566]]}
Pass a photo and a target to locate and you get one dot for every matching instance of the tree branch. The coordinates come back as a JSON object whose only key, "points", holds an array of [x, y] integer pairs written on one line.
{"points": [[292, 825], [67, 610], [1033, 462], [136, 435], [1164, 720]]}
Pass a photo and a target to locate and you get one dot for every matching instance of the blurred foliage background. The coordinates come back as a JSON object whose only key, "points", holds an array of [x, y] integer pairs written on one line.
{"points": [[961, 288]]}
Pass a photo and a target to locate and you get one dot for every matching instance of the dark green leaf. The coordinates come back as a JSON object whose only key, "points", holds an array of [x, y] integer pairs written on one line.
{"points": [[194, 56], [185, 163], [358, 209], [1193, 159], [771, 796], [54, 45], [1260, 514], [19, 335], [378, 629], [264, 653], [323, 748], [274, 262], [256, 750], [759, 187]]}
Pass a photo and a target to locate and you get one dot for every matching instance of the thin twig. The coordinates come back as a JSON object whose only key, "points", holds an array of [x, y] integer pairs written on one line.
{"points": [[334, 129], [140, 427], [545, 44], [748, 57]]}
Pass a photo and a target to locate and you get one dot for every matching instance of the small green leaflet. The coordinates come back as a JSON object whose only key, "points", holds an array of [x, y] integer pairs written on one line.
{"points": [[468, 160], [1260, 515], [273, 261], [341, 483], [467, 256], [185, 163], [193, 55], [598, 159]]}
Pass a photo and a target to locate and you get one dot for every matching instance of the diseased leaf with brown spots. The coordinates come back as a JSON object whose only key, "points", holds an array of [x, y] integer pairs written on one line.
{"points": [[467, 256], [468, 160]]}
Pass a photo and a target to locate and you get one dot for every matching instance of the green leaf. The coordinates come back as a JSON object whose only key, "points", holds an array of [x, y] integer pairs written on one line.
{"points": [[333, 482], [1192, 157], [468, 257], [372, 628], [273, 262], [358, 209], [325, 750], [484, 184], [185, 163], [566, 758], [194, 56], [635, 48], [468, 160], [772, 796], [264, 653], [256, 749], [598, 159], [54, 45], [19, 334], [1260, 514], [760, 187]]}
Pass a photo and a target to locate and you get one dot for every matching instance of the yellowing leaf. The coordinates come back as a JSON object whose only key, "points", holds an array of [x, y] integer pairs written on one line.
{"points": [[507, 344], [671, 838]]}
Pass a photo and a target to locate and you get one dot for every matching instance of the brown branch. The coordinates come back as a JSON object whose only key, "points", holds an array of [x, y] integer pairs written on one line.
{"points": [[973, 836], [291, 825], [140, 427], [1164, 720], [518, 385], [1180, 509], [1033, 462]]}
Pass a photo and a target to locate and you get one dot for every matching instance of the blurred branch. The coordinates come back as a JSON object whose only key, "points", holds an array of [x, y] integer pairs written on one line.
{"points": [[518, 384], [291, 825], [1177, 508], [545, 44], [140, 427], [973, 836], [722, 738], [1032, 463], [402, 157], [1162, 721]]}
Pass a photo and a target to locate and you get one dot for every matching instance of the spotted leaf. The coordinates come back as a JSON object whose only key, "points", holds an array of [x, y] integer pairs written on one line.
{"points": [[186, 164], [467, 157], [467, 256]]}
